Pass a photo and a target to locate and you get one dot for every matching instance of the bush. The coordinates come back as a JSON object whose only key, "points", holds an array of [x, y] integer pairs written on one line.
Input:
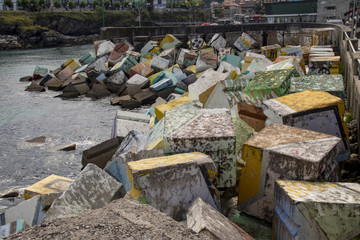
{"points": [[57, 4], [33, 5], [95, 4], [349, 117], [9, 4], [71, 4], [82, 4], [107, 4], [117, 5]]}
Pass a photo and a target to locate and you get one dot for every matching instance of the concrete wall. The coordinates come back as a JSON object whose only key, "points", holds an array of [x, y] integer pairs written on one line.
{"points": [[264, 34]]}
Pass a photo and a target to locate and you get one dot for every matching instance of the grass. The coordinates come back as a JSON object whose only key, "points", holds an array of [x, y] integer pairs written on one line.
{"points": [[19, 18]]}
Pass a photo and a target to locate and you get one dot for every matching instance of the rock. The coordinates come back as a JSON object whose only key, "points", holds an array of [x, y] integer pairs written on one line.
{"points": [[40, 139], [51, 38], [26, 79], [201, 217], [92, 189], [34, 87]]}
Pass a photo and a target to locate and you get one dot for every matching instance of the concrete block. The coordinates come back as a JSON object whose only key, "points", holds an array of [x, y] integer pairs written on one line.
{"points": [[217, 42], [161, 109], [13, 227], [136, 83], [201, 217], [146, 96], [287, 64], [34, 87], [243, 132], [46, 78], [202, 88], [128, 102], [271, 52], [98, 91], [170, 41], [92, 189], [292, 51], [244, 42], [222, 52], [282, 152], [258, 65], [333, 84], [39, 72], [162, 84], [118, 78], [252, 115], [226, 94], [87, 58], [196, 43], [159, 63], [126, 121], [151, 47], [226, 67], [124, 65], [31, 211], [117, 167], [142, 69], [308, 210], [169, 54], [205, 61], [324, 65], [101, 153], [74, 79], [165, 74], [54, 84], [50, 184], [186, 58], [190, 79], [232, 59], [211, 131], [173, 69], [98, 66], [115, 88], [172, 183], [300, 61], [65, 73], [105, 48], [312, 110], [156, 136], [267, 85]]}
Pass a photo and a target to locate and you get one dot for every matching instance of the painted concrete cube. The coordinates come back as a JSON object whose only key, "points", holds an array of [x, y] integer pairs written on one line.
{"points": [[282, 152], [172, 183], [316, 210], [210, 131], [205, 61], [288, 63], [244, 42], [151, 47], [142, 69], [271, 52], [267, 85], [170, 41], [217, 42], [333, 84], [312, 110], [13, 227], [222, 52], [196, 43], [324, 65], [124, 65], [186, 58]]}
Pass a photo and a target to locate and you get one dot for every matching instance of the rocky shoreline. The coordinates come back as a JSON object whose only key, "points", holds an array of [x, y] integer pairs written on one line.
{"points": [[38, 39]]}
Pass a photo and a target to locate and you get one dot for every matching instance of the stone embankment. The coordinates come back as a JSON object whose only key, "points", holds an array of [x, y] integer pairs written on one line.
{"points": [[231, 127]]}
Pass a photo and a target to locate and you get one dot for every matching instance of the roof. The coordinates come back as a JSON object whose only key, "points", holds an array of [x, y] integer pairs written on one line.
{"points": [[291, 7]]}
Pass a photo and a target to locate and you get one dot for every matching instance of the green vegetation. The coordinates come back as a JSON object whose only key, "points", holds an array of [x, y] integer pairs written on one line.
{"points": [[71, 4], [82, 4], [349, 117], [107, 4], [23, 19], [117, 5], [9, 4], [57, 4], [34, 27]]}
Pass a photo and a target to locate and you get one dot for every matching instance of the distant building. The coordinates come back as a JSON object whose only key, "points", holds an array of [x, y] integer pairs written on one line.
{"points": [[2, 7], [291, 11], [332, 9]]}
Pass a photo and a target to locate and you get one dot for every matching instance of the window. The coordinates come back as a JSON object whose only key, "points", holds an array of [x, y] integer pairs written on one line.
{"points": [[331, 8]]}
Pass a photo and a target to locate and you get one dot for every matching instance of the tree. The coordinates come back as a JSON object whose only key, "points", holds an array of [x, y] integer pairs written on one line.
{"points": [[107, 4], [24, 4], [41, 4], [9, 4], [82, 4], [71, 4], [95, 3], [139, 5], [117, 5], [33, 5], [57, 4], [126, 4]]}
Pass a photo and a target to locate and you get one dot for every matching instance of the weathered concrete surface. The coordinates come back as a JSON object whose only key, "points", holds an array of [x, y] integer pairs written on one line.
{"points": [[252, 115], [312, 110], [13, 227], [161, 109], [50, 184], [282, 152], [117, 167], [101, 153], [31, 211], [172, 183], [210, 131], [124, 218], [201, 217], [126, 121], [308, 210], [92, 189]]}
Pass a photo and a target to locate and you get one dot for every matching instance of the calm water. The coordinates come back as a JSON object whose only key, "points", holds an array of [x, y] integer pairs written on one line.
{"points": [[25, 115]]}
